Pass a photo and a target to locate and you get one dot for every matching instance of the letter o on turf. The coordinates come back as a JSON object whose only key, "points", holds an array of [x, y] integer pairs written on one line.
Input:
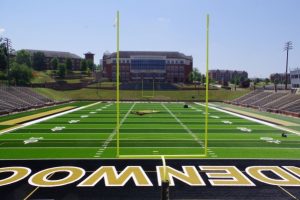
{"points": [[19, 173], [42, 178]]}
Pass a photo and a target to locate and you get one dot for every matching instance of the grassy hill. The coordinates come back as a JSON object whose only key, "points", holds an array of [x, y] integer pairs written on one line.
{"points": [[180, 95]]}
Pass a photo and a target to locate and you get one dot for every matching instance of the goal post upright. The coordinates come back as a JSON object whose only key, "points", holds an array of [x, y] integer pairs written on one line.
{"points": [[118, 86], [206, 85]]}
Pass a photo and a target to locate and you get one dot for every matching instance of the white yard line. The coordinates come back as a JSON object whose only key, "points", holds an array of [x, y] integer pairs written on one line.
{"points": [[113, 133], [46, 118], [183, 125], [210, 152], [252, 119]]}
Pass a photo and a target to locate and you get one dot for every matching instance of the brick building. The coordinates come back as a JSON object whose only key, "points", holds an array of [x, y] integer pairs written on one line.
{"points": [[161, 66], [225, 76], [60, 55]]}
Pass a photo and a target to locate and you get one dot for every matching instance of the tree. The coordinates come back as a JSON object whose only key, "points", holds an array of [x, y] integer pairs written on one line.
{"points": [[38, 60], [69, 64], [267, 81], [54, 63], [195, 76], [83, 65], [23, 57], [276, 82], [20, 74], [61, 70], [203, 79], [236, 80], [244, 83], [90, 65], [256, 81], [3, 55]]}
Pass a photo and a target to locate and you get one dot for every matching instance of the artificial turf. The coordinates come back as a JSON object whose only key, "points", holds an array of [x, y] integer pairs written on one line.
{"points": [[174, 130]]}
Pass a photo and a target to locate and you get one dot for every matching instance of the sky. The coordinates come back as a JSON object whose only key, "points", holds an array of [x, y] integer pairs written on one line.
{"points": [[244, 34]]}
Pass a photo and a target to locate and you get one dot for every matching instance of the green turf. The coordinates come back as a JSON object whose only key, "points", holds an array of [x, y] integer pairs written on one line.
{"points": [[152, 134]]}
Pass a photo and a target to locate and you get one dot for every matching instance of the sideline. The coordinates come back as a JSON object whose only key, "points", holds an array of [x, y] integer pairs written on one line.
{"points": [[253, 119], [264, 118], [36, 116], [45, 118]]}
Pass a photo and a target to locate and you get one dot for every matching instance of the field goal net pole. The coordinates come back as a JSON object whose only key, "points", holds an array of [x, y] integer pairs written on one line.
{"points": [[206, 104], [153, 85]]}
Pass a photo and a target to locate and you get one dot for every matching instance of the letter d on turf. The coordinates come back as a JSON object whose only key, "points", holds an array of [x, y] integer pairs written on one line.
{"points": [[283, 178]]}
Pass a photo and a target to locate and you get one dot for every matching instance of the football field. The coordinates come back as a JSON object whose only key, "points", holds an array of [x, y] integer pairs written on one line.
{"points": [[148, 130]]}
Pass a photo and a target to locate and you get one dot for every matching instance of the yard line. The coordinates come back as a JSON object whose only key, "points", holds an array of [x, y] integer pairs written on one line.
{"points": [[183, 125], [113, 133]]}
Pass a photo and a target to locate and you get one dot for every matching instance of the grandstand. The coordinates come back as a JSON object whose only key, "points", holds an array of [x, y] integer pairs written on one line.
{"points": [[278, 102], [14, 99]]}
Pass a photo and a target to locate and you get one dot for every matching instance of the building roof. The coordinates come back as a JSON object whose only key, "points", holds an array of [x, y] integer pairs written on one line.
{"points": [[53, 54], [168, 54], [224, 71], [89, 53]]}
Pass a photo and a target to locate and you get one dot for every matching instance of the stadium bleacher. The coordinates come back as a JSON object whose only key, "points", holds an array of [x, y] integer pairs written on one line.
{"points": [[14, 99], [279, 102], [270, 98]]}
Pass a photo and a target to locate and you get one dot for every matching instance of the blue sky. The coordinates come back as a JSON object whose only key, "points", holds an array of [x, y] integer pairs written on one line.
{"points": [[245, 34]]}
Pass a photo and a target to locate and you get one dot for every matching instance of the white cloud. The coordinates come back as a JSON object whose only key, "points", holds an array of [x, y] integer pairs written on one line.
{"points": [[2, 30], [163, 19]]}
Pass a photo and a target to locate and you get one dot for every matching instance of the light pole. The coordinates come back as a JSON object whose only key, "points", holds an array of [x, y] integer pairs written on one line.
{"points": [[288, 46]]}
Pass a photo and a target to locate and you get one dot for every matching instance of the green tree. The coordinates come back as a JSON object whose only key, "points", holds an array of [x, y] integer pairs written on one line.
{"points": [[3, 55], [69, 64], [83, 65], [38, 60], [236, 80], [195, 76], [276, 82], [23, 57], [203, 79], [267, 81], [54, 63], [90, 65], [61, 72], [20, 74]]}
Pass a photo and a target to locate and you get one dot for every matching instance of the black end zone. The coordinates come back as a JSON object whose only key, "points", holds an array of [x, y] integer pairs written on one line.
{"points": [[22, 189]]}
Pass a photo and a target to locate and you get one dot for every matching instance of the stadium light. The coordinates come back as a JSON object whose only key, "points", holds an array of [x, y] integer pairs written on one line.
{"points": [[288, 46]]}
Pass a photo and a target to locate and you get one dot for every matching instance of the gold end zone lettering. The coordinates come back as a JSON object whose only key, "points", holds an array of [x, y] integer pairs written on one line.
{"points": [[19, 173], [226, 176], [41, 178], [294, 170], [286, 179], [189, 175], [112, 178]]}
